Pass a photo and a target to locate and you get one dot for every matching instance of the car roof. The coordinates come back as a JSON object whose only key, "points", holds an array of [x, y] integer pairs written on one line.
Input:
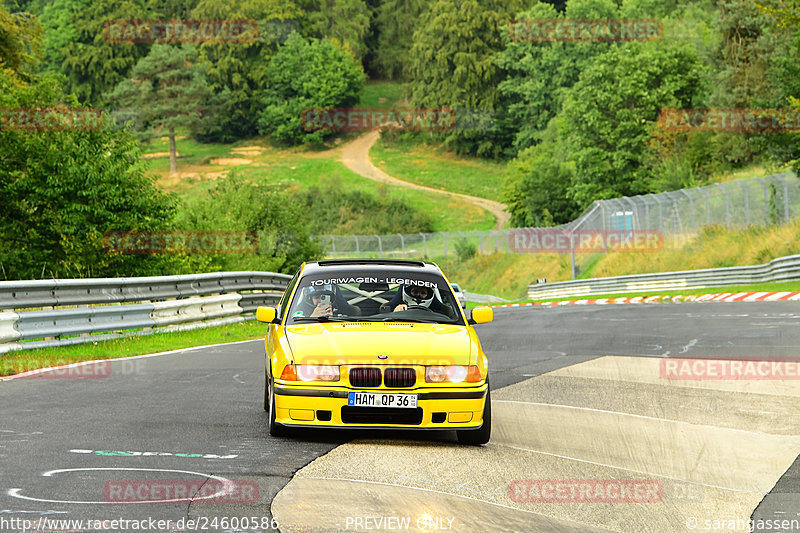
{"points": [[386, 265]]}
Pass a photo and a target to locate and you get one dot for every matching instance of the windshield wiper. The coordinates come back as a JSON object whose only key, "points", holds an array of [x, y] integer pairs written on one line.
{"points": [[326, 319], [395, 319]]}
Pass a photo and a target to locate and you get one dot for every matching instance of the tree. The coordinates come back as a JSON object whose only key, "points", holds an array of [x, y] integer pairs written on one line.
{"points": [[609, 113], [537, 184], [395, 21], [787, 14], [20, 42], [453, 65], [63, 190], [93, 64], [539, 73], [345, 22], [236, 71], [302, 76], [57, 19], [167, 90]]}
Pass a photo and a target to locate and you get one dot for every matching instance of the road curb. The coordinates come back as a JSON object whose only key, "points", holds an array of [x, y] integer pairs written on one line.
{"points": [[721, 297]]}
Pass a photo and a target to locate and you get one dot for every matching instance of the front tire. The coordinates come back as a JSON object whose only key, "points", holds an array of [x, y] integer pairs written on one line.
{"points": [[477, 437], [275, 429]]}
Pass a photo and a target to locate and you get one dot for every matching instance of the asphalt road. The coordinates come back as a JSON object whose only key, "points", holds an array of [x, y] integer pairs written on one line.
{"points": [[198, 413]]}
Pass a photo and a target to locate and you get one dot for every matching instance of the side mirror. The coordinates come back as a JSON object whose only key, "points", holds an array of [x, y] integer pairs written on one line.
{"points": [[481, 315], [266, 314]]}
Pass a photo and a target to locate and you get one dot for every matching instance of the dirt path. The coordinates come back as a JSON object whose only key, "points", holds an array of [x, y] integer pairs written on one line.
{"points": [[355, 156]]}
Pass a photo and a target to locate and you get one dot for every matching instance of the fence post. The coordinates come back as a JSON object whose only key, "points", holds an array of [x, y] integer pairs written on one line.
{"points": [[358, 252], [691, 208], [785, 199], [708, 206], [444, 238], [424, 243], [333, 245], [766, 200], [660, 213], [380, 246], [746, 202], [727, 206], [402, 244]]}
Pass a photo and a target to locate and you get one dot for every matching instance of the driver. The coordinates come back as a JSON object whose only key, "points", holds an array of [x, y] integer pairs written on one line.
{"points": [[324, 300], [419, 296]]}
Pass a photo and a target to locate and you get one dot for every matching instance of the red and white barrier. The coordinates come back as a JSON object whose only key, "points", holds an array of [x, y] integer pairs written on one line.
{"points": [[724, 297]]}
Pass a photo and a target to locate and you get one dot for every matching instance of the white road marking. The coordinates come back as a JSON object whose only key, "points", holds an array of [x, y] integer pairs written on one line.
{"points": [[688, 346], [16, 492]]}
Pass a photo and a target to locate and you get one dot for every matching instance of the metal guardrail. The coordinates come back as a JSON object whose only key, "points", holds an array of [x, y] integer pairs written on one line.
{"points": [[780, 269], [74, 311]]}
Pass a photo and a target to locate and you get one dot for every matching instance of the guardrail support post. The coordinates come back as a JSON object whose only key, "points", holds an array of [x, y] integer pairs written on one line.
{"points": [[380, 246], [402, 244], [424, 243], [358, 252]]}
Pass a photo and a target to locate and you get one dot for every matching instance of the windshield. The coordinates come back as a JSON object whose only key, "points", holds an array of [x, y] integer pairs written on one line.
{"points": [[372, 296]]}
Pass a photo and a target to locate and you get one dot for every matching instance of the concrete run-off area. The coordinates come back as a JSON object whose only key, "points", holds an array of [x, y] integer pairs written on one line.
{"points": [[604, 445]]}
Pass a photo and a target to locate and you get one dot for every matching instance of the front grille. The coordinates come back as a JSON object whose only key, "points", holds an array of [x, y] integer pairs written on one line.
{"points": [[400, 377], [365, 377], [380, 415]]}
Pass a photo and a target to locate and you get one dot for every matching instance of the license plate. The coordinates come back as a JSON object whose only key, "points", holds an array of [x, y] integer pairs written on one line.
{"points": [[379, 399]]}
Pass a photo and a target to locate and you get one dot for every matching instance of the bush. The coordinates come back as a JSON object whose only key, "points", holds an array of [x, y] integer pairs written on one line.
{"points": [[465, 250]]}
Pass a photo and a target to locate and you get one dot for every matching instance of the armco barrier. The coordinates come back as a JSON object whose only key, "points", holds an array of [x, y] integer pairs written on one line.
{"points": [[73, 311], [780, 269]]}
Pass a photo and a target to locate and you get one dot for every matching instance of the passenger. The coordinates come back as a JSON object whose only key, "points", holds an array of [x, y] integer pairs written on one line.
{"points": [[324, 300]]}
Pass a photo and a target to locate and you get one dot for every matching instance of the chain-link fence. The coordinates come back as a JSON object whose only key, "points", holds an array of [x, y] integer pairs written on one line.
{"points": [[763, 201]]}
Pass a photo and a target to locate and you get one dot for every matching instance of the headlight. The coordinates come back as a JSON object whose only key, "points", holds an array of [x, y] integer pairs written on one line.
{"points": [[310, 373], [452, 374]]}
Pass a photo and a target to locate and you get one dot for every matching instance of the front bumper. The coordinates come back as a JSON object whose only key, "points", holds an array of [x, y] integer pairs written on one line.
{"points": [[437, 408]]}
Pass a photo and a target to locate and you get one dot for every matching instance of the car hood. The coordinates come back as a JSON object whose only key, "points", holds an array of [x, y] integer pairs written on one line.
{"points": [[362, 342]]}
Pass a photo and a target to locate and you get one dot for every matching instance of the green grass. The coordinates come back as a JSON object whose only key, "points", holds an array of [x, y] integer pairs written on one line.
{"points": [[24, 360], [297, 170], [190, 153], [383, 95], [431, 166]]}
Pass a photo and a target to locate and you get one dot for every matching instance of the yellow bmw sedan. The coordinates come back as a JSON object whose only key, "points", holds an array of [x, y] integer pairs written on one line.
{"points": [[383, 343]]}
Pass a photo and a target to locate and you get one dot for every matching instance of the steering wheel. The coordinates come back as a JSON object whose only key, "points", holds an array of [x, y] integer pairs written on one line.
{"points": [[418, 307]]}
